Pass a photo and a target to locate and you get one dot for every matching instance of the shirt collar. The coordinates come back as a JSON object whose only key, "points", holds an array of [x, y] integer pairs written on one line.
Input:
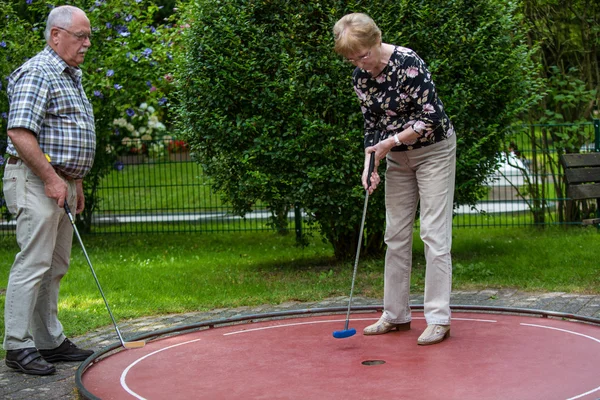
{"points": [[61, 66]]}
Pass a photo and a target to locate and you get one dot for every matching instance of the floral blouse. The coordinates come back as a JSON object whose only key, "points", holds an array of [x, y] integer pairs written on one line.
{"points": [[402, 95]]}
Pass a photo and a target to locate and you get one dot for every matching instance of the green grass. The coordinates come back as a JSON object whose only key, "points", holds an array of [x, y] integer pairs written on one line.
{"points": [[173, 186], [172, 273]]}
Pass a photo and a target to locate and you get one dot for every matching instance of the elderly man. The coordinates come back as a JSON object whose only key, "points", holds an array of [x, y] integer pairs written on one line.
{"points": [[51, 145]]}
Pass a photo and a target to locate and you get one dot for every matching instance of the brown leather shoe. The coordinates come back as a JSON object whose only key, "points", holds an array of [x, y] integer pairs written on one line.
{"points": [[67, 351], [382, 326], [434, 334], [28, 361]]}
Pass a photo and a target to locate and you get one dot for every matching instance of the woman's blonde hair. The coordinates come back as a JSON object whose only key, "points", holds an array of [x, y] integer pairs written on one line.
{"points": [[354, 32]]}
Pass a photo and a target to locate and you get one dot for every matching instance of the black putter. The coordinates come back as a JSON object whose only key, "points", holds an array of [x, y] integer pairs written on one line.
{"points": [[128, 345], [351, 332]]}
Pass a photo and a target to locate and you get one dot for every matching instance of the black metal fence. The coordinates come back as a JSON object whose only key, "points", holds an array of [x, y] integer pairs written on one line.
{"points": [[528, 187], [171, 194]]}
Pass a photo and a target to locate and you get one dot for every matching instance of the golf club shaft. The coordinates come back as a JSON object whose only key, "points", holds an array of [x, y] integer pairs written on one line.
{"points": [[362, 228], [68, 211], [360, 235]]}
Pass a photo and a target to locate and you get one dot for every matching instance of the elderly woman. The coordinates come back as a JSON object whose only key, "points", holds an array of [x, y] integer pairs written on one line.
{"points": [[399, 101]]}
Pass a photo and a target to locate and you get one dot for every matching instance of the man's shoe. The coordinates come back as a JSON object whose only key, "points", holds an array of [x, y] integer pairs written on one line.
{"points": [[382, 326], [434, 334], [28, 361], [67, 351]]}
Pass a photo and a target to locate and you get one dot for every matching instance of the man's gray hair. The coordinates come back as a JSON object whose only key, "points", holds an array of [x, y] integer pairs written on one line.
{"points": [[61, 17]]}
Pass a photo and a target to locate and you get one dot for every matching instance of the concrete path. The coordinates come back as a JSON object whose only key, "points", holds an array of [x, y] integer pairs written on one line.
{"points": [[61, 386]]}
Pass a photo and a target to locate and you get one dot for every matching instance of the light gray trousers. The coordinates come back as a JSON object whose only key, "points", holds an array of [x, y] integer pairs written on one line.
{"points": [[424, 175], [44, 235]]}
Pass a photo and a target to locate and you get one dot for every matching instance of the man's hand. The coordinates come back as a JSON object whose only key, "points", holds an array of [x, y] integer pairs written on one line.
{"points": [[30, 152], [56, 188]]}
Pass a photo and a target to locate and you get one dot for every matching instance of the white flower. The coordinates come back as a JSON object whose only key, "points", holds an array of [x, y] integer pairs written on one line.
{"points": [[140, 129], [120, 122]]}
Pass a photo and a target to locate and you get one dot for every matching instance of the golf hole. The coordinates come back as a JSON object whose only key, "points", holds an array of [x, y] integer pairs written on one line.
{"points": [[373, 362]]}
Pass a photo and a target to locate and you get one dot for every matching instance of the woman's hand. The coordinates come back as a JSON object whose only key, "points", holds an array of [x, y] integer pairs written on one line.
{"points": [[380, 150], [374, 178]]}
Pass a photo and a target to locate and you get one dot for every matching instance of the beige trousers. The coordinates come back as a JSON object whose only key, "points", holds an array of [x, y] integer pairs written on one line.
{"points": [[424, 175], [44, 235]]}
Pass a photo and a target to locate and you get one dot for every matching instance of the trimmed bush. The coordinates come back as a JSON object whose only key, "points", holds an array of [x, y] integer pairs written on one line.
{"points": [[268, 106]]}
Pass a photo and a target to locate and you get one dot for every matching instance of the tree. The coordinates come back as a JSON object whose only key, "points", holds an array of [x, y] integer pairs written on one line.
{"points": [[565, 36], [567, 39]]}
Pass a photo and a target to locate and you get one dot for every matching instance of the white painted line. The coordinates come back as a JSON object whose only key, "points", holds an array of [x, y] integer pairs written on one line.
{"points": [[124, 374], [335, 320], [573, 333]]}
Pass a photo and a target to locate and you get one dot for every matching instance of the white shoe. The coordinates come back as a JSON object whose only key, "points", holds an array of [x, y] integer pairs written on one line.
{"points": [[382, 326], [434, 334]]}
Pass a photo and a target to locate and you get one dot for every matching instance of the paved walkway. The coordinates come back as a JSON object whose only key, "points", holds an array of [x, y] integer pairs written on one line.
{"points": [[61, 386]]}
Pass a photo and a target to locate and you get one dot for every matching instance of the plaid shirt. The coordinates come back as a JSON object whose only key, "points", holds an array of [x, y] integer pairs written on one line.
{"points": [[46, 97]]}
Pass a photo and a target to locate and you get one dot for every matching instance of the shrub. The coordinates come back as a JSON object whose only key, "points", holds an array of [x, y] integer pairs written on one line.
{"points": [[129, 62], [270, 111]]}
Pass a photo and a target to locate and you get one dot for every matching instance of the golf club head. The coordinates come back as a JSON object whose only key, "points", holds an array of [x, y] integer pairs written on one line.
{"points": [[344, 334], [134, 345]]}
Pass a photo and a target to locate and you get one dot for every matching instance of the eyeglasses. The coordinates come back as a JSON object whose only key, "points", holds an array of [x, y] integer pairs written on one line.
{"points": [[80, 36], [359, 59]]}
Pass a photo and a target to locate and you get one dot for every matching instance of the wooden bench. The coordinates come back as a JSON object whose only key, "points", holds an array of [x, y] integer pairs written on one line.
{"points": [[582, 174]]}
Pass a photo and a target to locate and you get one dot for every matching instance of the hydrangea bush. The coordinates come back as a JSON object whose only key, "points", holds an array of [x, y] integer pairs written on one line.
{"points": [[141, 132], [129, 63]]}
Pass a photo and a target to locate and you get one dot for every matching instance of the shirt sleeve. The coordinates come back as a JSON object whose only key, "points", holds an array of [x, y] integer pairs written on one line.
{"points": [[28, 100], [420, 91]]}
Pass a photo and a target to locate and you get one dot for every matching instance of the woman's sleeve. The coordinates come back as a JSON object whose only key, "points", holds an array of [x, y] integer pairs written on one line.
{"points": [[420, 91]]}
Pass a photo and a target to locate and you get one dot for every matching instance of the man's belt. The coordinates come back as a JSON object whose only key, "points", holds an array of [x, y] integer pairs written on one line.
{"points": [[15, 160]]}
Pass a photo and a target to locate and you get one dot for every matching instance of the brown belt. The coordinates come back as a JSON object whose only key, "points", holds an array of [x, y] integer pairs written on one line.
{"points": [[62, 175], [14, 160]]}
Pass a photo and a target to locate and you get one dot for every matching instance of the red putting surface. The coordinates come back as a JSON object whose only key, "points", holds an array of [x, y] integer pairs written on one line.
{"points": [[488, 356]]}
